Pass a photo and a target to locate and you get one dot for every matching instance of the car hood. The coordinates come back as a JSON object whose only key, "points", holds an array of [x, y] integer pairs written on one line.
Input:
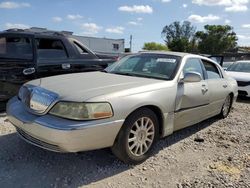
{"points": [[84, 86], [239, 76]]}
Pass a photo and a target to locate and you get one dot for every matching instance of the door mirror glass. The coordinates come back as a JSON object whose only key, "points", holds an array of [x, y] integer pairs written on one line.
{"points": [[192, 77]]}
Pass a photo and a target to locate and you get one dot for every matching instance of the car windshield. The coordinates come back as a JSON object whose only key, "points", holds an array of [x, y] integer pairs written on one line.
{"points": [[147, 65], [239, 67], [16, 48]]}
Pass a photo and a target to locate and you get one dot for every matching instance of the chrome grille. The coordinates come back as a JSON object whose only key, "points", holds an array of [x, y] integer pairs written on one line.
{"points": [[41, 99], [36, 98]]}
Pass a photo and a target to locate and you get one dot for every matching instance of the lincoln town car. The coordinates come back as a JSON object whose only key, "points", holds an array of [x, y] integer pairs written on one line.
{"points": [[127, 107]]}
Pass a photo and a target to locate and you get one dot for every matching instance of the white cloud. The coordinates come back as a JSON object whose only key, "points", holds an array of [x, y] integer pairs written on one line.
{"points": [[74, 16], [91, 28], [57, 19], [203, 19], [146, 9], [184, 5], [230, 5], [212, 2], [139, 19], [246, 37], [247, 26], [13, 5], [165, 1], [227, 21], [116, 30], [132, 23], [16, 25], [219, 2], [236, 8]]}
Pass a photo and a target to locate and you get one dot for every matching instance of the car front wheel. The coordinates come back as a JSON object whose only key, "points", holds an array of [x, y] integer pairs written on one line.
{"points": [[137, 137]]}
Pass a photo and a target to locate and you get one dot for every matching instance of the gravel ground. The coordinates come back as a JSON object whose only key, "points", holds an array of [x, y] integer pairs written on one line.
{"points": [[214, 153]]}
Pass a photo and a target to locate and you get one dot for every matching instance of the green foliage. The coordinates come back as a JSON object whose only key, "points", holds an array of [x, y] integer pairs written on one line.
{"points": [[179, 37], [216, 39], [154, 46]]}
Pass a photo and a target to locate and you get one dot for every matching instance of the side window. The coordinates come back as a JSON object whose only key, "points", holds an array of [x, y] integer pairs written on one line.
{"points": [[50, 49], [80, 49], [212, 70], [193, 65], [16, 47], [115, 47]]}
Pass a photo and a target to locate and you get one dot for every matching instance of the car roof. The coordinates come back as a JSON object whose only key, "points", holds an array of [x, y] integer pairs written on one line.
{"points": [[34, 32], [180, 54]]}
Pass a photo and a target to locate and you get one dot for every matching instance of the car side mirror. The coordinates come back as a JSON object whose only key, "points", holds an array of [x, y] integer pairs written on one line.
{"points": [[192, 77]]}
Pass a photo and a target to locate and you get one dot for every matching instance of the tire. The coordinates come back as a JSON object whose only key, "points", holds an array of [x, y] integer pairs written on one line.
{"points": [[226, 108], [134, 142]]}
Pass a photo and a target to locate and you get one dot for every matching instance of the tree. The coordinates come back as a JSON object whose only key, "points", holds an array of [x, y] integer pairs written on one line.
{"points": [[179, 37], [216, 39], [154, 46]]}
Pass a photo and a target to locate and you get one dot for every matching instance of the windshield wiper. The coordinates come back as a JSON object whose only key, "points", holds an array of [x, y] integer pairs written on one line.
{"points": [[104, 71], [124, 73], [139, 75]]}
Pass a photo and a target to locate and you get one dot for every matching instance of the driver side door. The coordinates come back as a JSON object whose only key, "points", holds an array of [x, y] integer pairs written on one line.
{"points": [[192, 98]]}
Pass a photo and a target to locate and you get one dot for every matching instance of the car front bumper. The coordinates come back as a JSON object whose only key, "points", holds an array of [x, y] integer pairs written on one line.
{"points": [[244, 91], [61, 135]]}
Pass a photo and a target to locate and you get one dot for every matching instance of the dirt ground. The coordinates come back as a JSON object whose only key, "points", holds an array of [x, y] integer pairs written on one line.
{"points": [[214, 153]]}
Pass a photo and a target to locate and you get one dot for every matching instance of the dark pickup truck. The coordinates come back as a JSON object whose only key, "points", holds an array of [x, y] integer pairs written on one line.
{"points": [[27, 54]]}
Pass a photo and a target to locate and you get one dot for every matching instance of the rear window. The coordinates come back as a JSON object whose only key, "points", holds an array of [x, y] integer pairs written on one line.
{"points": [[16, 47], [212, 70]]}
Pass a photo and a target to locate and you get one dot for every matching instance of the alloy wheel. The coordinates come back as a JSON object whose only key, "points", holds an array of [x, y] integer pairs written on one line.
{"points": [[141, 136]]}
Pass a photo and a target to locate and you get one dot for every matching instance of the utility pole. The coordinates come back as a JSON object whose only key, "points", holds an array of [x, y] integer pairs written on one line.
{"points": [[130, 43]]}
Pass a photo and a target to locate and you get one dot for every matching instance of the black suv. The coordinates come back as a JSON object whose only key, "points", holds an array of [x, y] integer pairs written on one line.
{"points": [[28, 54]]}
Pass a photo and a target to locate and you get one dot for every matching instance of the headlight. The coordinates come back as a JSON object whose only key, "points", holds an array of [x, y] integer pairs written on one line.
{"points": [[82, 111]]}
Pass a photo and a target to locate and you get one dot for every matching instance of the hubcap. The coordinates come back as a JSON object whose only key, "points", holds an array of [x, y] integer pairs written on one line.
{"points": [[226, 106], [141, 136]]}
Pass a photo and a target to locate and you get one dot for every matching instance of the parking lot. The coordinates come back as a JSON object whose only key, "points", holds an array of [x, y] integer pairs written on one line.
{"points": [[214, 153]]}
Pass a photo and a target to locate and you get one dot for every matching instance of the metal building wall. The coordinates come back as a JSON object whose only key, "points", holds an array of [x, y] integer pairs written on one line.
{"points": [[102, 45]]}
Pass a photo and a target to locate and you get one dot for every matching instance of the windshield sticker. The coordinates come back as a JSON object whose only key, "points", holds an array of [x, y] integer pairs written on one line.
{"points": [[166, 60]]}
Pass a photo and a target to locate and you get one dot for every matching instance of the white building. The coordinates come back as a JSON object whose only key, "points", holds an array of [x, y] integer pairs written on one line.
{"points": [[102, 45]]}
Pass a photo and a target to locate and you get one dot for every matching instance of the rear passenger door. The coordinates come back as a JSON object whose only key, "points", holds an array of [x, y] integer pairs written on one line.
{"points": [[217, 85], [52, 57]]}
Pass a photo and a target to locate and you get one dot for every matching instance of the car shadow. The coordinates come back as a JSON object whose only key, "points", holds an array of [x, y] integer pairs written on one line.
{"points": [[2, 106], [184, 133], [29, 166]]}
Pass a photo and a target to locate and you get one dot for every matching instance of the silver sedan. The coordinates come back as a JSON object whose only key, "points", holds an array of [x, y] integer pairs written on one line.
{"points": [[127, 107]]}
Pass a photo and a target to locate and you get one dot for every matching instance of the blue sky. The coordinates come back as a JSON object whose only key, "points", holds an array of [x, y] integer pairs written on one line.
{"points": [[144, 19]]}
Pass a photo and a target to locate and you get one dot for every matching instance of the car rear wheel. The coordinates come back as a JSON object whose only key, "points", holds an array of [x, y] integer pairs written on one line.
{"points": [[137, 136], [226, 108]]}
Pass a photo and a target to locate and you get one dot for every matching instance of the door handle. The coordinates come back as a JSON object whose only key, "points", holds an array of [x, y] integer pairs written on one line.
{"points": [[29, 71], [225, 86], [204, 88], [66, 66]]}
